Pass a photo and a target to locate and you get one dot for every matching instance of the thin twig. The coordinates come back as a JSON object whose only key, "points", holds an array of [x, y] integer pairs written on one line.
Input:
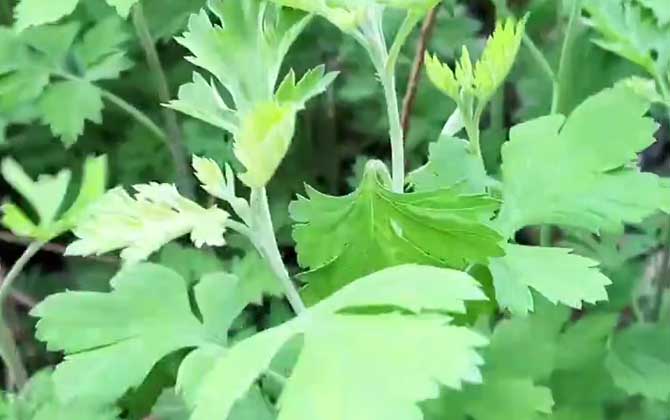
{"points": [[175, 138], [415, 76], [8, 349], [52, 247]]}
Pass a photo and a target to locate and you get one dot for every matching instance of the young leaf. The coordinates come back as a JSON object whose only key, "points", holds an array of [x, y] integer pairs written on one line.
{"points": [[203, 101], [373, 228], [263, 121], [141, 225], [639, 361], [341, 369], [46, 197], [65, 107], [482, 80], [591, 153], [553, 272], [100, 50]]}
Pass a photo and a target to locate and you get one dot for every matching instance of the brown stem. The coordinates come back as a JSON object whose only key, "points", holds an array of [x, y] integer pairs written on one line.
{"points": [[175, 138], [415, 75], [51, 247]]}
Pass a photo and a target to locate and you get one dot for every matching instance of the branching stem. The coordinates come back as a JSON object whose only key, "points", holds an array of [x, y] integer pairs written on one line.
{"points": [[8, 349]]}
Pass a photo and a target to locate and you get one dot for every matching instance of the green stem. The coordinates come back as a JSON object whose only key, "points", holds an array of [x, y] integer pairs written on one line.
{"points": [[175, 141], [8, 349], [395, 131], [546, 69], [564, 61], [266, 242]]}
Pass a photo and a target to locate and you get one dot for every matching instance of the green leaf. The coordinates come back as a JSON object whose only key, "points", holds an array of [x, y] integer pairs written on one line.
{"points": [[189, 262], [122, 6], [255, 45], [660, 8], [343, 366], [592, 182], [141, 225], [373, 228], [67, 105], [256, 40], [313, 83], [195, 368], [46, 196], [498, 397], [100, 50], [222, 296], [264, 138], [639, 361], [450, 165], [120, 335], [555, 273], [36, 12], [483, 79], [631, 32], [203, 101], [38, 401]]}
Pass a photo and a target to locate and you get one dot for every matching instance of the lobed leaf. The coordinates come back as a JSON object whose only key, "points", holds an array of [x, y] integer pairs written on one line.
{"points": [[142, 224], [345, 358], [591, 153], [374, 228], [555, 273]]}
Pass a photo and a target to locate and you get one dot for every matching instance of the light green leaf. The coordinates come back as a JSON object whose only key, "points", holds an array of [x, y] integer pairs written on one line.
{"points": [[343, 366], [222, 296], [263, 140], [122, 6], [141, 225], [373, 228], [203, 101], [483, 79], [101, 51], [592, 182], [195, 368], [38, 401], [313, 83], [660, 8], [451, 165], [37, 12], [628, 31], [639, 361], [498, 397], [118, 336], [255, 45], [558, 275], [67, 105], [46, 197]]}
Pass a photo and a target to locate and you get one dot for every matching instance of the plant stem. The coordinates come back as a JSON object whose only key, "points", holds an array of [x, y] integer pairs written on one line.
{"points": [[563, 63], [546, 69], [415, 75], [8, 350], [395, 131], [174, 136], [266, 242], [663, 279]]}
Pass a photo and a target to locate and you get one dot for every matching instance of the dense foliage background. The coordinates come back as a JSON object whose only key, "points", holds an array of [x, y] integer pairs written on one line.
{"points": [[87, 87]]}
